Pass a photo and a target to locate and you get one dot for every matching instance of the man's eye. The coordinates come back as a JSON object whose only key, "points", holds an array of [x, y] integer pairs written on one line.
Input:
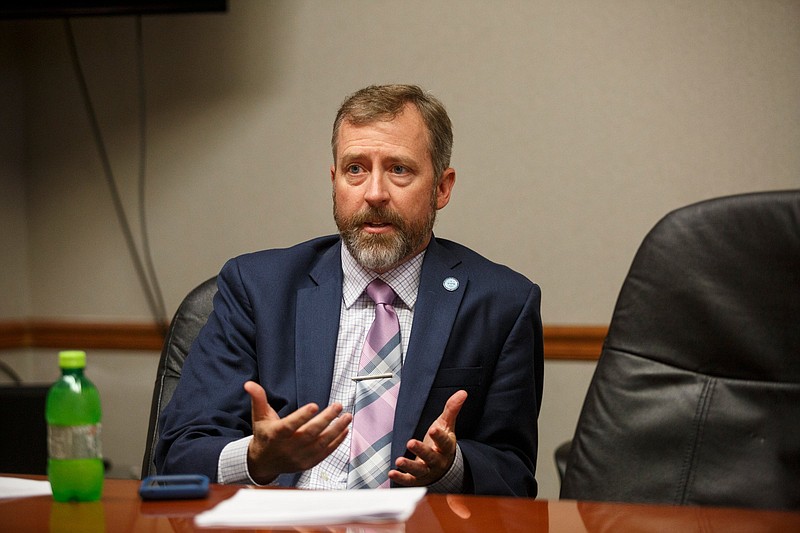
{"points": [[399, 169], [353, 169]]}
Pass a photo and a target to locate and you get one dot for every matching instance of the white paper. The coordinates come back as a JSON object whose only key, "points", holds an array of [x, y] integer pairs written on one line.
{"points": [[269, 507], [14, 487]]}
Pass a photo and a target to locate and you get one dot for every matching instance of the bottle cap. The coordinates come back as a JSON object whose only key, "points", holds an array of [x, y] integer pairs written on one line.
{"points": [[72, 359]]}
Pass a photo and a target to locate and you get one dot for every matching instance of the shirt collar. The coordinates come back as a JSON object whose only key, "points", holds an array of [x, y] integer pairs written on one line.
{"points": [[403, 279]]}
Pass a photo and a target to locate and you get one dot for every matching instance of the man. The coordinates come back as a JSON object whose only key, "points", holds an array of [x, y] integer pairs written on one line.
{"points": [[287, 330]]}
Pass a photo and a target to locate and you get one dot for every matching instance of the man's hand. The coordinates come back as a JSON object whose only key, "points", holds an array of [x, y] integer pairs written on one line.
{"points": [[293, 443], [436, 453]]}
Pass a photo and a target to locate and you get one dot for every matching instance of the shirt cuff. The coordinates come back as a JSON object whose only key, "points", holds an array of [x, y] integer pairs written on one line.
{"points": [[232, 464], [453, 481]]}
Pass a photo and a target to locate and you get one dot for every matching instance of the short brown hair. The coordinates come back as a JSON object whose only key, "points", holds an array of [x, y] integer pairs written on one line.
{"points": [[385, 102]]}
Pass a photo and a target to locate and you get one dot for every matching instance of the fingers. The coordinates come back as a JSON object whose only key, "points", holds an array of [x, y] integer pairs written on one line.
{"points": [[435, 455], [406, 480], [416, 468], [437, 451], [263, 411], [428, 467], [452, 408], [441, 437], [327, 428], [297, 441], [258, 402], [304, 423], [334, 434]]}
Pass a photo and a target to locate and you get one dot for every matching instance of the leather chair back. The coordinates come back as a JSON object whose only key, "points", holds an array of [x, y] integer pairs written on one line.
{"points": [[190, 317], [696, 397]]}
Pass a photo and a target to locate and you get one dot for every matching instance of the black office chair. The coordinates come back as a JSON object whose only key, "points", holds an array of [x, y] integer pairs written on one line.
{"points": [[189, 318], [696, 397], [561, 454]]}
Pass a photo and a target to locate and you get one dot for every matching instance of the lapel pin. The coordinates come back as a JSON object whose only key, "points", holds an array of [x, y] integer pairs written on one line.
{"points": [[450, 284]]}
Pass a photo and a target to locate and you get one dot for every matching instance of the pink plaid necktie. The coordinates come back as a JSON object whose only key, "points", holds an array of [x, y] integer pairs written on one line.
{"points": [[377, 384]]}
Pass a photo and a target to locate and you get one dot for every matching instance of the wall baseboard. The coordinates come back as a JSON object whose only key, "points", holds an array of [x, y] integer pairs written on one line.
{"points": [[574, 342]]}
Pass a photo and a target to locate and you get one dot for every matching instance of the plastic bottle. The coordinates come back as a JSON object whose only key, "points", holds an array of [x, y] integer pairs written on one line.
{"points": [[75, 456]]}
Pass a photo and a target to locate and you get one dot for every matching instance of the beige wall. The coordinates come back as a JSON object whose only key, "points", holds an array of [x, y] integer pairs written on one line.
{"points": [[578, 125]]}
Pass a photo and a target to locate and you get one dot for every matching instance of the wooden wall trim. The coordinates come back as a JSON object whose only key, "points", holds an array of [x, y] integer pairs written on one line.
{"points": [[14, 335], [80, 335], [574, 342]]}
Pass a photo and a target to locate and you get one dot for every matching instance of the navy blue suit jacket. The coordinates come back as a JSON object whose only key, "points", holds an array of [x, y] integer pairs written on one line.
{"points": [[276, 320]]}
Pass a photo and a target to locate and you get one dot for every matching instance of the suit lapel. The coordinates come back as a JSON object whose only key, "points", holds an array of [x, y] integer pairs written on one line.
{"points": [[434, 314], [317, 319]]}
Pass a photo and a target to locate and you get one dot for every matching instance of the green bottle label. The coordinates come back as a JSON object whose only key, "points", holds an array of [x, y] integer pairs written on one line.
{"points": [[74, 442]]}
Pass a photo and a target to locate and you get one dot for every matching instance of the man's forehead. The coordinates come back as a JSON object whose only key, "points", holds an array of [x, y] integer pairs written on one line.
{"points": [[408, 110], [410, 117]]}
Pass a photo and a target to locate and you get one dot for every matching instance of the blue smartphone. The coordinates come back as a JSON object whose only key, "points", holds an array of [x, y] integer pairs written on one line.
{"points": [[174, 487]]}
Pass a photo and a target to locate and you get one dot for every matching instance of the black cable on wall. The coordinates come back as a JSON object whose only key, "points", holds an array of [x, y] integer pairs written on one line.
{"points": [[143, 262]]}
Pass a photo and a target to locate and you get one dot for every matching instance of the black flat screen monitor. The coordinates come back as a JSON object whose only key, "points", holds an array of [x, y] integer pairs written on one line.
{"points": [[23, 437], [89, 8]]}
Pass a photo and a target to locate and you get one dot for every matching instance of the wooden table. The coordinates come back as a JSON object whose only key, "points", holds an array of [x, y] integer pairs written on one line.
{"points": [[121, 510]]}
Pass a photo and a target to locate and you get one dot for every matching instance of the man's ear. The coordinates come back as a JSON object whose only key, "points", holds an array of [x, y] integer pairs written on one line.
{"points": [[445, 187]]}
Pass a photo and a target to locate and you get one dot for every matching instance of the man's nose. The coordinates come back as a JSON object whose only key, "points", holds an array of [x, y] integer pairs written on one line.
{"points": [[377, 192]]}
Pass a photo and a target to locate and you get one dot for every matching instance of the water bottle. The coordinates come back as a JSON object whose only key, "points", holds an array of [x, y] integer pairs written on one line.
{"points": [[75, 457]]}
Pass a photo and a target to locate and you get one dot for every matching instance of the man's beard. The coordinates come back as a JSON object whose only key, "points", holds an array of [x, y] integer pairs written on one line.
{"points": [[377, 251]]}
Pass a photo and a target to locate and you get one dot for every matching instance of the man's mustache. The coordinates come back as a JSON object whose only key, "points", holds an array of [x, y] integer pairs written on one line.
{"points": [[383, 215]]}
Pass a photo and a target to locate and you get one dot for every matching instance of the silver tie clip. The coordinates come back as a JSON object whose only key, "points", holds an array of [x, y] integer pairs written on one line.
{"points": [[373, 376]]}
